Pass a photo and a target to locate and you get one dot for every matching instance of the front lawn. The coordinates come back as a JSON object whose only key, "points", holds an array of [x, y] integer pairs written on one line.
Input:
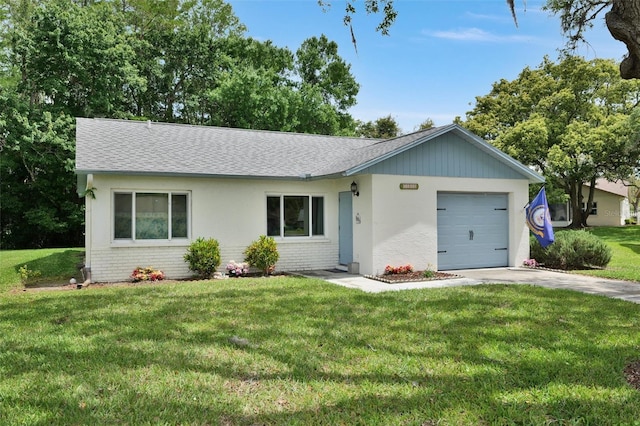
{"points": [[302, 351], [625, 244], [51, 266]]}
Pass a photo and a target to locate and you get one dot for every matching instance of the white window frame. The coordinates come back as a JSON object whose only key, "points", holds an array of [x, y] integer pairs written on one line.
{"points": [[133, 194], [309, 218]]}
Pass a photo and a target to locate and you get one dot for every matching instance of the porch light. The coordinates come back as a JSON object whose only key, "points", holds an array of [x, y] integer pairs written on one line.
{"points": [[354, 189]]}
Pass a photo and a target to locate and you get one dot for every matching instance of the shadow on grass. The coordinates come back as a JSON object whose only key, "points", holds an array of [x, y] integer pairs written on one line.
{"points": [[635, 247], [490, 352], [54, 269]]}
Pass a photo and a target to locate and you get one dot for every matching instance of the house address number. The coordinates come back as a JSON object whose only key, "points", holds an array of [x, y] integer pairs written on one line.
{"points": [[409, 186]]}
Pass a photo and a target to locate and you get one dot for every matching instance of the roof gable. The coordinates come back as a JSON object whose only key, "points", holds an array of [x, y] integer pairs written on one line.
{"points": [[446, 155], [136, 147]]}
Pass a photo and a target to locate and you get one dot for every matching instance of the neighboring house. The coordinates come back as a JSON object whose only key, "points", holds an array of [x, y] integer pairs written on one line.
{"points": [[610, 206], [440, 198]]}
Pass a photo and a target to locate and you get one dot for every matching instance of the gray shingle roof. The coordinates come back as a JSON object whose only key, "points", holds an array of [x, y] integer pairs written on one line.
{"points": [[138, 147]]}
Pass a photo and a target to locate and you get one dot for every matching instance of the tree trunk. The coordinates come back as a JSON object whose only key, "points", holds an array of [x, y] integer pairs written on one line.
{"points": [[575, 196], [623, 22], [589, 205]]}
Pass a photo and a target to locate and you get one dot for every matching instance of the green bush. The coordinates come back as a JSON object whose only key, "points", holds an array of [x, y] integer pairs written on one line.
{"points": [[262, 254], [203, 257], [572, 250]]}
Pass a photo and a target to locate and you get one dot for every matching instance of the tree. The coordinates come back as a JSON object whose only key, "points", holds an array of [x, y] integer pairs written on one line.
{"points": [[176, 61], [39, 206], [622, 19], [389, 14], [426, 125], [382, 128], [74, 59], [623, 22], [634, 195], [319, 65], [574, 122]]}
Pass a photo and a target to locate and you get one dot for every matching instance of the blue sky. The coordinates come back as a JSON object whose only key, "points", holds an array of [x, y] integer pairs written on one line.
{"points": [[439, 56]]}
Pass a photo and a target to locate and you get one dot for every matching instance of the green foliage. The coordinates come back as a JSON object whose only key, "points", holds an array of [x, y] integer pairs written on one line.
{"points": [[56, 267], [382, 128], [574, 121], [262, 254], [429, 272], [299, 351], [173, 61], [319, 65], [572, 250], [40, 206], [426, 124], [624, 242], [203, 257], [27, 274]]}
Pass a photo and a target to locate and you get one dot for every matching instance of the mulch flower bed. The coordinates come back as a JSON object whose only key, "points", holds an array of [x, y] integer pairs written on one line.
{"points": [[632, 373], [414, 276]]}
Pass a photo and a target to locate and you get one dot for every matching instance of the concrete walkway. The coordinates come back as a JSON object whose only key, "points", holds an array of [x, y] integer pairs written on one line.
{"points": [[624, 290]]}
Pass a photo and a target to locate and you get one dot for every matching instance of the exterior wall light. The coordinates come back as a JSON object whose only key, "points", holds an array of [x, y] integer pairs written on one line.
{"points": [[354, 189]]}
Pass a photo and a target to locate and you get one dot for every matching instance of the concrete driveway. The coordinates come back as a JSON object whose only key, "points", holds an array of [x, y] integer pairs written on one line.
{"points": [[624, 290]]}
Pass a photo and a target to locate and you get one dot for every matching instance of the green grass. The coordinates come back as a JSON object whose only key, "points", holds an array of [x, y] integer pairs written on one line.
{"points": [[56, 266], [625, 244], [302, 351]]}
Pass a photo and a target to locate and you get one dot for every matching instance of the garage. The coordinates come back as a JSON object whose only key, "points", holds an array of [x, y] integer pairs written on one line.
{"points": [[473, 230]]}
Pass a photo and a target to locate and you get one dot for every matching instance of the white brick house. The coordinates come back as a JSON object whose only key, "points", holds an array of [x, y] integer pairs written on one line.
{"points": [[440, 197]]}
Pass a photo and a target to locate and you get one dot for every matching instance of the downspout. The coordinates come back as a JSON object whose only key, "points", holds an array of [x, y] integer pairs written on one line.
{"points": [[89, 196]]}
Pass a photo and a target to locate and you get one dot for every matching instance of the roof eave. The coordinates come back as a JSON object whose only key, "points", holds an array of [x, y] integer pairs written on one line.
{"points": [[302, 177]]}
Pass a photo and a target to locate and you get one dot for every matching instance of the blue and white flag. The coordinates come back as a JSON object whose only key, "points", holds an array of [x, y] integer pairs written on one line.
{"points": [[539, 219]]}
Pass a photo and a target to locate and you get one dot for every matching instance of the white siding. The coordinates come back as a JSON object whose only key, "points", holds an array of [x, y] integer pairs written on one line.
{"points": [[233, 211], [400, 226]]}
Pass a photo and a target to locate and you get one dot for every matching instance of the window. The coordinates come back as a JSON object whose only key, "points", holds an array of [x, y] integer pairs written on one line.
{"points": [[594, 208], [295, 216], [559, 212], [150, 215]]}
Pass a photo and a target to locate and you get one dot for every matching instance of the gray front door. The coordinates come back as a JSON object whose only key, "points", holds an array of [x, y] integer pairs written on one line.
{"points": [[346, 228], [473, 230]]}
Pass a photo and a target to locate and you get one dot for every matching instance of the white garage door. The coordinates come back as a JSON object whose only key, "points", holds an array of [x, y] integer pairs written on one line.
{"points": [[473, 230]]}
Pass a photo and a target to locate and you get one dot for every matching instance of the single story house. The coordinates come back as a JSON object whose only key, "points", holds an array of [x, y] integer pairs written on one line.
{"points": [[610, 206], [440, 198]]}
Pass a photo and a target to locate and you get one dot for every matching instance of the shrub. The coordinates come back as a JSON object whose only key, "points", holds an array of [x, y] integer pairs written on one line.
{"points": [[429, 273], [203, 257], [27, 274], [147, 274], [262, 254], [572, 250]]}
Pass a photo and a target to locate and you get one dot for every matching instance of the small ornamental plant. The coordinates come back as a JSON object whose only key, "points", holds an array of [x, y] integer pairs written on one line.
{"points": [[398, 270], [146, 274], [203, 257], [262, 254], [530, 263], [235, 269], [27, 274]]}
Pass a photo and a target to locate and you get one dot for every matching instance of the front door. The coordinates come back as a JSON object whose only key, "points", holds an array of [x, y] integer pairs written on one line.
{"points": [[345, 224]]}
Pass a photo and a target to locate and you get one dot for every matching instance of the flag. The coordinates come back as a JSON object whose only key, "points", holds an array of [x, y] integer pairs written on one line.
{"points": [[539, 219]]}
